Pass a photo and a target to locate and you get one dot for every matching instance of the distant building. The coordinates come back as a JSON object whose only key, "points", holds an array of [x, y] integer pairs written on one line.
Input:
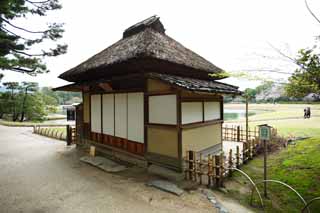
{"points": [[149, 98]]}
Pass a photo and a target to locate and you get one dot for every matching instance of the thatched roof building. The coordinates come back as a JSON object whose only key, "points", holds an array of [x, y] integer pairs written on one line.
{"points": [[149, 97]]}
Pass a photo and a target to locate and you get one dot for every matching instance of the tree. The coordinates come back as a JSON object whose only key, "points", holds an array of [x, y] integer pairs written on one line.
{"points": [[27, 87], [18, 44], [12, 103], [306, 79]]}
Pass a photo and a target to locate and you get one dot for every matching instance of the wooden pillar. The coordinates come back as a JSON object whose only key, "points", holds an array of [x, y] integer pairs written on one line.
{"points": [[230, 162], [68, 135], [247, 119], [238, 133], [238, 157]]}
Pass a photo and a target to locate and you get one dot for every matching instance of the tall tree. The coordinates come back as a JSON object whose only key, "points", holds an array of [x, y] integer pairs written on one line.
{"points": [[306, 79], [27, 87], [13, 87], [17, 43]]}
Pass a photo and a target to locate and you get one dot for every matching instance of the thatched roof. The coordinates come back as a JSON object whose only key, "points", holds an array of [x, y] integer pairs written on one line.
{"points": [[145, 47], [197, 85]]}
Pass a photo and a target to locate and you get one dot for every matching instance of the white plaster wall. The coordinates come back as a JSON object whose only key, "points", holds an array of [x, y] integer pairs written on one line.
{"points": [[191, 112], [163, 109], [108, 113], [211, 110], [121, 115], [96, 113], [136, 117]]}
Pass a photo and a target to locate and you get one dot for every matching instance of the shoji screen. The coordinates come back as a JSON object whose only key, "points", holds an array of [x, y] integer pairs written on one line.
{"points": [[191, 112], [96, 113], [135, 117], [163, 109], [212, 111], [108, 113], [121, 115]]}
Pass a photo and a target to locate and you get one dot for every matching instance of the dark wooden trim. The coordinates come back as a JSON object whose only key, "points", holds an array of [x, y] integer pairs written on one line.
{"points": [[201, 124], [129, 146], [101, 113], [160, 93], [114, 149], [114, 114], [145, 113], [221, 110], [179, 124], [90, 114], [116, 91], [203, 115], [161, 125], [199, 99]]}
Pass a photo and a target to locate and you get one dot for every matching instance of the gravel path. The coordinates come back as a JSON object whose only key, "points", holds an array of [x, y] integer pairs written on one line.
{"points": [[39, 174]]}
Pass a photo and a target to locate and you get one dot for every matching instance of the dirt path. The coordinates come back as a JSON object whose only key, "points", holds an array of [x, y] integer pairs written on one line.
{"points": [[39, 174]]}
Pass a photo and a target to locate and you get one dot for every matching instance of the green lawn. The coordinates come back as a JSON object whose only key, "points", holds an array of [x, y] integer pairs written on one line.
{"points": [[298, 165]]}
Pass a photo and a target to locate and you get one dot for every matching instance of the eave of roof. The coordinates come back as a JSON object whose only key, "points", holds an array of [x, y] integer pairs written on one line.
{"points": [[197, 85]]}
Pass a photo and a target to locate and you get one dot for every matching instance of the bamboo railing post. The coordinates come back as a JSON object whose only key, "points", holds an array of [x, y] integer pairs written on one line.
{"points": [[230, 162], [195, 165], [237, 157], [209, 170], [250, 149], [221, 174], [217, 165], [200, 168], [238, 133], [190, 154], [214, 168], [186, 166]]}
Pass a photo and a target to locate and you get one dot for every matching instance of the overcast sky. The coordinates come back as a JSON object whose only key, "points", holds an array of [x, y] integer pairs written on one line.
{"points": [[232, 34]]}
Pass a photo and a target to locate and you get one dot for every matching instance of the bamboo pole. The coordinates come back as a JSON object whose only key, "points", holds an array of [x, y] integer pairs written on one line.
{"points": [[209, 170], [237, 157], [200, 168], [230, 162]]}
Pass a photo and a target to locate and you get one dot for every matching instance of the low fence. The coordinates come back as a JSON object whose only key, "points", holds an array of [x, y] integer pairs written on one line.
{"points": [[238, 133], [212, 169], [66, 133]]}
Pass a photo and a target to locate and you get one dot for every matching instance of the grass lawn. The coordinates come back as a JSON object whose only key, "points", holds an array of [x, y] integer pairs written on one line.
{"points": [[298, 165]]}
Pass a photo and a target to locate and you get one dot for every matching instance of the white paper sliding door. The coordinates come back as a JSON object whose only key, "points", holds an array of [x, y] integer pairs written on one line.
{"points": [[136, 117], [212, 111], [163, 109], [121, 114], [108, 114], [191, 112], [96, 113]]}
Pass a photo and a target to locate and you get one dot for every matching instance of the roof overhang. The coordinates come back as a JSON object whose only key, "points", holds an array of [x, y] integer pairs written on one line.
{"points": [[75, 87]]}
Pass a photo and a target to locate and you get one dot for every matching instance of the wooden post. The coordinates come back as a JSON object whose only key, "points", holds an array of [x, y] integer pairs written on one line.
{"points": [[238, 133], [68, 135], [200, 168], [221, 170], [186, 166], [195, 165], [213, 164], [217, 165], [238, 157], [209, 170], [251, 149], [230, 162], [244, 153], [265, 167], [247, 119], [190, 154]]}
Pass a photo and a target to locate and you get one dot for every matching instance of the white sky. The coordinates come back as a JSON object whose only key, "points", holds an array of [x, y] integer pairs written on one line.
{"points": [[232, 34]]}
